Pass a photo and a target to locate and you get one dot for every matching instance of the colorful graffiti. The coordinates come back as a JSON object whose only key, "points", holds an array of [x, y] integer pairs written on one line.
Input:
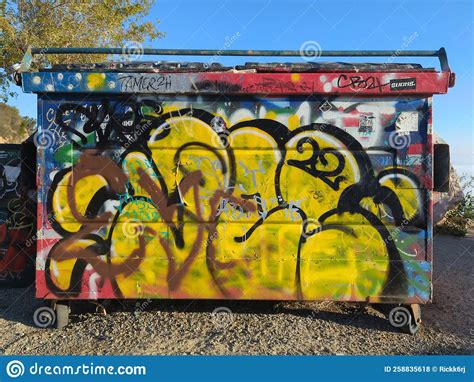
{"points": [[242, 198], [17, 221]]}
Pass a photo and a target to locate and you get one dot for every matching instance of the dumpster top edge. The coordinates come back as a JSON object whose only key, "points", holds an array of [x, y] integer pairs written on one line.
{"points": [[271, 67], [309, 54]]}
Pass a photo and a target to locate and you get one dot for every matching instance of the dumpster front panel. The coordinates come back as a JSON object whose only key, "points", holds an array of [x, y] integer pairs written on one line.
{"points": [[238, 197]]}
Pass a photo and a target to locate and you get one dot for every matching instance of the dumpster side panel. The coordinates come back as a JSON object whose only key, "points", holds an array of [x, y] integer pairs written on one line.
{"points": [[240, 198], [17, 249]]}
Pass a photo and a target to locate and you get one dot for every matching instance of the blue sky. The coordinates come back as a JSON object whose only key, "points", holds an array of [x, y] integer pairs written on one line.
{"points": [[286, 24]]}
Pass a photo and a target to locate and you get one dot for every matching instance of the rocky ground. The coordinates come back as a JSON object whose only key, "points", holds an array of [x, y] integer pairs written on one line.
{"points": [[191, 327]]}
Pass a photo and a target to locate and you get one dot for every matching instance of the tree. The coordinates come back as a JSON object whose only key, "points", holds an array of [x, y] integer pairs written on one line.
{"points": [[13, 127], [69, 23]]}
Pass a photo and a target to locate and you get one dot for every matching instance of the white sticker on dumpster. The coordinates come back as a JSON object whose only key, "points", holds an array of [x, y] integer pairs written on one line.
{"points": [[407, 122]]}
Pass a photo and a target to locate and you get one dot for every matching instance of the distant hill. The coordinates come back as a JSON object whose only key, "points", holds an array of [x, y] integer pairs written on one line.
{"points": [[13, 127]]}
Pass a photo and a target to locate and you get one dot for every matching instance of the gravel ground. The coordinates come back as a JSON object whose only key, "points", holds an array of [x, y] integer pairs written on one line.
{"points": [[190, 327]]}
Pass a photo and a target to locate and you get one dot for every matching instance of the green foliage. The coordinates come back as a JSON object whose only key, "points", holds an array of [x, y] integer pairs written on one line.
{"points": [[458, 221], [69, 23], [13, 127]]}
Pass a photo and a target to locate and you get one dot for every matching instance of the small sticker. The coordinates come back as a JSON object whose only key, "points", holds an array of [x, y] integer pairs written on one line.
{"points": [[407, 122], [403, 84], [366, 124]]}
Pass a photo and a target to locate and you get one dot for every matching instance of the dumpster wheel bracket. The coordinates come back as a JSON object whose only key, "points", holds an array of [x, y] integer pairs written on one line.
{"points": [[61, 309]]}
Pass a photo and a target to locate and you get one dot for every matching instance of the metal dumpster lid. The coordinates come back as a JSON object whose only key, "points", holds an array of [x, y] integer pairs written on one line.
{"points": [[281, 78], [268, 67]]}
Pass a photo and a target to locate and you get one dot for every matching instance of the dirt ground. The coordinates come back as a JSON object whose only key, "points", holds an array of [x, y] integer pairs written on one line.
{"points": [[191, 327]]}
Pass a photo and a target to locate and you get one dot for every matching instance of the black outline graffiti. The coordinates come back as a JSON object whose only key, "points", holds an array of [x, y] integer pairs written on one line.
{"points": [[349, 202]]}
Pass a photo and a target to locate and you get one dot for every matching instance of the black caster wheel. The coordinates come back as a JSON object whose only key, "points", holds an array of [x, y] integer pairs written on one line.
{"points": [[61, 309], [406, 317]]}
